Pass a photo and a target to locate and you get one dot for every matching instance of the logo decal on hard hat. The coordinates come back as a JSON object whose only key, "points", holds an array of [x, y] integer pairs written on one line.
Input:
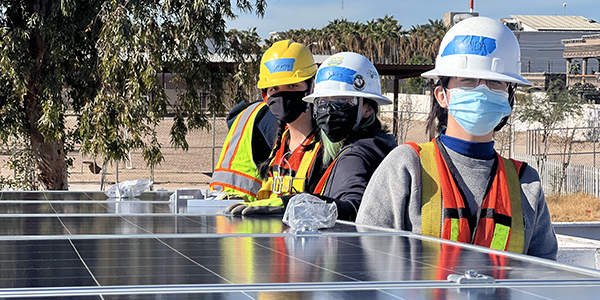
{"points": [[470, 44], [280, 65], [340, 74], [335, 61], [373, 74], [359, 82]]}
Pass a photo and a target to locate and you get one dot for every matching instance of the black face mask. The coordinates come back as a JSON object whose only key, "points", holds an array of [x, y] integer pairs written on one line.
{"points": [[336, 123], [287, 106]]}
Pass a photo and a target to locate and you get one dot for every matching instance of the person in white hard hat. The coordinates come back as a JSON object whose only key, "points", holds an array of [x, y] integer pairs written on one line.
{"points": [[345, 102], [457, 186]]}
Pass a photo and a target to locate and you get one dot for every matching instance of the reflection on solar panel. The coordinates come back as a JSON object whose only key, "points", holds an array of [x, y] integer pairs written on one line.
{"points": [[79, 244]]}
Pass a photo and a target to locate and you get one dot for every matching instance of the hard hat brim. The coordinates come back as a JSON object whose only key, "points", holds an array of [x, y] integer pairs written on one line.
{"points": [[381, 100], [282, 81], [514, 78]]}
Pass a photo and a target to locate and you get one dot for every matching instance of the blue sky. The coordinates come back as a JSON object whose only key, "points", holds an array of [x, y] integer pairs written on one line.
{"points": [[282, 15]]}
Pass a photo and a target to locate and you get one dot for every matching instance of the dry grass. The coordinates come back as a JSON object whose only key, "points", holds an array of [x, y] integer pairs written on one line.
{"points": [[578, 207]]}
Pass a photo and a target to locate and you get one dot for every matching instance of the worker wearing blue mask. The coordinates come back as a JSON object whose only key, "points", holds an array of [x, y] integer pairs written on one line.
{"points": [[457, 187]]}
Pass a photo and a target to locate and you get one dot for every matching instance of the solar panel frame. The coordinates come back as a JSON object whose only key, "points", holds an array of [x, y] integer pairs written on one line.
{"points": [[114, 255]]}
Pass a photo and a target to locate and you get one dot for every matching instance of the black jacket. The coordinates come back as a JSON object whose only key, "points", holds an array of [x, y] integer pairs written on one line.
{"points": [[357, 160], [353, 170]]}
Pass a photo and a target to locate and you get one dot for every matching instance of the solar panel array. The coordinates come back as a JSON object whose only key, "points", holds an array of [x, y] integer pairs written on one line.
{"points": [[83, 245]]}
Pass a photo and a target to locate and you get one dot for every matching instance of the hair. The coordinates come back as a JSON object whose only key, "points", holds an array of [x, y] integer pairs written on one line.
{"points": [[438, 116]]}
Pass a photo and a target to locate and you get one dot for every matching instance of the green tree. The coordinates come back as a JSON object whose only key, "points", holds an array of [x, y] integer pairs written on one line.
{"points": [[587, 92], [417, 85], [381, 40], [549, 110], [574, 68], [100, 59]]}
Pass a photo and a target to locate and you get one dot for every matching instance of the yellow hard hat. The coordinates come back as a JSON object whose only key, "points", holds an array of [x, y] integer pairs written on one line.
{"points": [[286, 62]]}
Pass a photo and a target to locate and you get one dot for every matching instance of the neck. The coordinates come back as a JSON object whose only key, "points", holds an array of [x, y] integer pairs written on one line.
{"points": [[299, 130], [455, 130]]}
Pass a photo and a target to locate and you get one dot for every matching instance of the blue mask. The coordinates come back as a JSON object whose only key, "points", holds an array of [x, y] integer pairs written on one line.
{"points": [[478, 110]]}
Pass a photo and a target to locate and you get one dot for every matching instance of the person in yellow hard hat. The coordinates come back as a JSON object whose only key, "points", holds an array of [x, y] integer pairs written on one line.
{"points": [[287, 72]]}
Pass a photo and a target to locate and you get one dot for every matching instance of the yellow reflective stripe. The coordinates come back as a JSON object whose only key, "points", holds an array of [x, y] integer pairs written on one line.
{"points": [[241, 132], [285, 185], [500, 237], [454, 228], [517, 235], [307, 160], [235, 167], [298, 184], [431, 195]]}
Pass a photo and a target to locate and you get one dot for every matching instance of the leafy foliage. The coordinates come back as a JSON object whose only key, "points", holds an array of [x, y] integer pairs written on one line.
{"points": [[574, 68], [381, 40], [550, 110], [100, 60], [587, 92], [417, 85]]}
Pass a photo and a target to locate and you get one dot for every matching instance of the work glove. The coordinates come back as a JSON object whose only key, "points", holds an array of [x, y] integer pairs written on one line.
{"points": [[267, 206]]}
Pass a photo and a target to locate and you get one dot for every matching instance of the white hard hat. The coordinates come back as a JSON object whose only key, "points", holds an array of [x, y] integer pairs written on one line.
{"points": [[479, 47], [348, 74]]}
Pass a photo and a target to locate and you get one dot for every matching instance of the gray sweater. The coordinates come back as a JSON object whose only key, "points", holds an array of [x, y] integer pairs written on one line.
{"points": [[393, 197]]}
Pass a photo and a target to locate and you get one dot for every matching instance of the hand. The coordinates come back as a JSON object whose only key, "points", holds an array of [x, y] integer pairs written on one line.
{"points": [[268, 206]]}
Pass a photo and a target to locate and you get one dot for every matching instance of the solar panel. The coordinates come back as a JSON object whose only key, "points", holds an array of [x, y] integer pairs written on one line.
{"points": [[86, 246]]}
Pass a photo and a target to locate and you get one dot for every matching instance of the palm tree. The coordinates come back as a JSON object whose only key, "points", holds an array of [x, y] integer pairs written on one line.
{"points": [[381, 40]]}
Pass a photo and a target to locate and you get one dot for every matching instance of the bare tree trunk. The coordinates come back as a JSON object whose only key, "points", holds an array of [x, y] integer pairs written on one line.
{"points": [[49, 156], [50, 160]]}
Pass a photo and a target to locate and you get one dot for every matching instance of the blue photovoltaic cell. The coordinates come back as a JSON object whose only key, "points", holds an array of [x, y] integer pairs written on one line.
{"points": [[98, 251]]}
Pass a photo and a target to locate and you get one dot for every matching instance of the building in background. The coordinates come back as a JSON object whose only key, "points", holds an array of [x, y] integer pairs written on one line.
{"points": [[540, 38], [584, 48]]}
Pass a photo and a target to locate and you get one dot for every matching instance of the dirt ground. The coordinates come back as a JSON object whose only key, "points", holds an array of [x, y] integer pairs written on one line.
{"points": [[193, 168]]}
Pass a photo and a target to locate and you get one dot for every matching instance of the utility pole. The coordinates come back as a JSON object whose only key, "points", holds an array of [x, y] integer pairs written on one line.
{"points": [[342, 9]]}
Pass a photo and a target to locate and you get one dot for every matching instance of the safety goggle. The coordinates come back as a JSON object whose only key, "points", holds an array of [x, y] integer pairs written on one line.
{"points": [[336, 102], [471, 83]]}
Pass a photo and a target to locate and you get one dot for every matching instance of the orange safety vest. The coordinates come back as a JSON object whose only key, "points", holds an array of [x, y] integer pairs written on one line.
{"points": [[500, 223], [300, 164], [236, 172]]}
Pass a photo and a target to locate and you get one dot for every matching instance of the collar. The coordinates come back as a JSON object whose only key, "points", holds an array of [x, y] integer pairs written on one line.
{"points": [[467, 148]]}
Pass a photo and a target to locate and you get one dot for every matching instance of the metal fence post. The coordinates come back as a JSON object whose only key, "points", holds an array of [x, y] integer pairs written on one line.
{"points": [[214, 133]]}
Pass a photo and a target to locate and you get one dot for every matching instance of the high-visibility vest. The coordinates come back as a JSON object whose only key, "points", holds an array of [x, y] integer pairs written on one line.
{"points": [[236, 172], [444, 213], [277, 185]]}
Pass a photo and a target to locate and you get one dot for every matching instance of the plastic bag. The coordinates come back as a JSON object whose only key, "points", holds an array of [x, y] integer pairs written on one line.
{"points": [[128, 189], [306, 212]]}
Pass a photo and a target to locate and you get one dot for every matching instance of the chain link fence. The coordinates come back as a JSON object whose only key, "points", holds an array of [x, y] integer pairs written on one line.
{"points": [[572, 155], [567, 159], [192, 167]]}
